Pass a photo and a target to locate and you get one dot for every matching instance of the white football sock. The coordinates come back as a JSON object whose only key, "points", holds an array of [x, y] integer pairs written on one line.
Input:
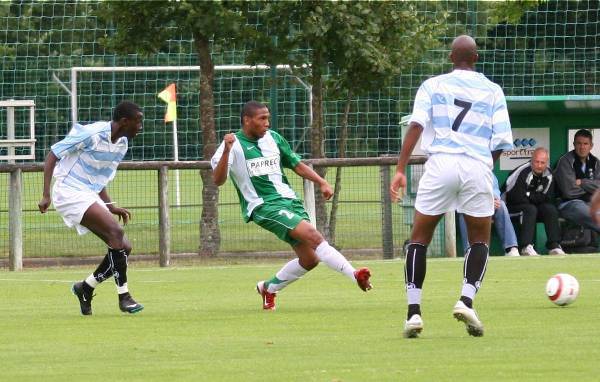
{"points": [[334, 260], [91, 281], [289, 273], [469, 291], [122, 289], [413, 295]]}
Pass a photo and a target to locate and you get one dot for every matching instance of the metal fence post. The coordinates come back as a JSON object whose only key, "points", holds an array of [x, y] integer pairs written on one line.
{"points": [[387, 229], [15, 225], [164, 227]]}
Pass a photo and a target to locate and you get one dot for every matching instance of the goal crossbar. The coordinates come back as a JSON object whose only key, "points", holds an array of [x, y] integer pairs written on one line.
{"points": [[89, 69]]}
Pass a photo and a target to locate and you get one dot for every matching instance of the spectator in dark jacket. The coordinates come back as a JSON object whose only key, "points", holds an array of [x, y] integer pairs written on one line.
{"points": [[577, 177], [530, 191]]}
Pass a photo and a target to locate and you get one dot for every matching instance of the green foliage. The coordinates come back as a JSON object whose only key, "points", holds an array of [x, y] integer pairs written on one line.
{"points": [[390, 37], [550, 50], [510, 11], [147, 26], [362, 44], [74, 35], [36, 39], [552, 37]]}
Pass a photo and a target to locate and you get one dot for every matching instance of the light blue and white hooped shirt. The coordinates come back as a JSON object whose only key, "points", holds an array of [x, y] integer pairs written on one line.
{"points": [[88, 158], [462, 112]]}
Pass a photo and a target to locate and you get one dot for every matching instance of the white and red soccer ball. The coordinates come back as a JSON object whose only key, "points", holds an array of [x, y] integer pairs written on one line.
{"points": [[562, 289]]}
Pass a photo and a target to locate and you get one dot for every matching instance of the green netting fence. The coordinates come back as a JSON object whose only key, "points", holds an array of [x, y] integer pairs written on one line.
{"points": [[552, 50]]}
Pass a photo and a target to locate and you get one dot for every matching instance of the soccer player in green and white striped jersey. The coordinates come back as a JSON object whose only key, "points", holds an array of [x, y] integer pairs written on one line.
{"points": [[254, 158]]}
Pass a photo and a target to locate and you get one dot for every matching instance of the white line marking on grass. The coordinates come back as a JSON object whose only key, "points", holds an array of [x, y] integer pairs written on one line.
{"points": [[72, 281], [41, 281]]}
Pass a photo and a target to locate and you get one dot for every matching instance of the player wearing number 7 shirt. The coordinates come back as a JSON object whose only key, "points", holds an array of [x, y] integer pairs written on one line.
{"points": [[254, 158], [464, 123]]}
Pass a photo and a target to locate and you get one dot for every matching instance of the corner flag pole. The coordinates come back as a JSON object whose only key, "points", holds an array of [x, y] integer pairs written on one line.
{"points": [[176, 159], [169, 95]]}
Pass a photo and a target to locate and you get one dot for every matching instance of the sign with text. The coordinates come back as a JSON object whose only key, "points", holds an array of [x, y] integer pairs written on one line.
{"points": [[524, 141]]}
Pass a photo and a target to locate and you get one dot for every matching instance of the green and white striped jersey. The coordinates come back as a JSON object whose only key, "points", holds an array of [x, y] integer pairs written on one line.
{"points": [[256, 169]]}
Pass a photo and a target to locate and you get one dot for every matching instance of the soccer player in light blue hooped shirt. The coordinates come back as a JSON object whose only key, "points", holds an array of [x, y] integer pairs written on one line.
{"points": [[82, 164], [254, 159], [464, 123]]}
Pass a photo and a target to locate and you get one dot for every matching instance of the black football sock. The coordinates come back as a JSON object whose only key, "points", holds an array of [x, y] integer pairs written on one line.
{"points": [[467, 301], [104, 270], [474, 268], [414, 276], [118, 258], [412, 310]]}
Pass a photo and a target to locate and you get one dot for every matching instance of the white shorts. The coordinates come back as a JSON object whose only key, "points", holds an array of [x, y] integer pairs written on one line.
{"points": [[455, 182], [71, 204]]}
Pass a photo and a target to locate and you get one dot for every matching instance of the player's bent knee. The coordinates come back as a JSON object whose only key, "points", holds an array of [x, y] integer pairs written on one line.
{"points": [[117, 239], [309, 264], [312, 238], [315, 238], [126, 245]]}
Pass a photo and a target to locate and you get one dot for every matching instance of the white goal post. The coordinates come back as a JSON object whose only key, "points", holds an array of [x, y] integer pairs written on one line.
{"points": [[89, 69], [228, 68]]}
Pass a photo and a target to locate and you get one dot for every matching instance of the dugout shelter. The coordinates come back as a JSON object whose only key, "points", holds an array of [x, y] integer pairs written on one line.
{"points": [[550, 122], [537, 121]]}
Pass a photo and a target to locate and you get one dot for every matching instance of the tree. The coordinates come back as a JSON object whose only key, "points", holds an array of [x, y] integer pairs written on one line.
{"points": [[145, 27], [346, 49]]}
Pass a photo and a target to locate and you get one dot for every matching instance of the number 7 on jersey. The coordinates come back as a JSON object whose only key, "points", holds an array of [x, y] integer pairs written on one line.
{"points": [[466, 106]]}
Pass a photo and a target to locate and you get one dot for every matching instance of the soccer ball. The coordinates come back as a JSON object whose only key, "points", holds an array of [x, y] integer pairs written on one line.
{"points": [[562, 289]]}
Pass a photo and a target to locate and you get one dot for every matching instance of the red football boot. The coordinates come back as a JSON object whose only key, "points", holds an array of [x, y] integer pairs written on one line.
{"points": [[268, 299], [362, 276]]}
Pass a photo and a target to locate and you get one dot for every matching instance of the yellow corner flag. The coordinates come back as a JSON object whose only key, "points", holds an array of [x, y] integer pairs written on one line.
{"points": [[170, 97]]}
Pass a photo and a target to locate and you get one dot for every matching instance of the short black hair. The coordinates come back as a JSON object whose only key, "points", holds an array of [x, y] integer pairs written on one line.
{"points": [[249, 109], [126, 109], [583, 133]]}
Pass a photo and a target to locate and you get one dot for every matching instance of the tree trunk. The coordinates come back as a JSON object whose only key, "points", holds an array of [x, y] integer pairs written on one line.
{"points": [[210, 236], [343, 138], [317, 144]]}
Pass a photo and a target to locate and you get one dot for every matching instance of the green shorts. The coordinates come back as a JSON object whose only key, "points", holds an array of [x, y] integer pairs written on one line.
{"points": [[280, 217]]}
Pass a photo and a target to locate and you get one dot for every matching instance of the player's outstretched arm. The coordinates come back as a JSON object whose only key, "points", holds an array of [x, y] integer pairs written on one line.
{"points": [[408, 144], [308, 173], [220, 171], [49, 165]]}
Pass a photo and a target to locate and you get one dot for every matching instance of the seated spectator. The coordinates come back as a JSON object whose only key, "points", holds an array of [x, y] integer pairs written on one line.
{"points": [[502, 223], [577, 177], [595, 207], [530, 191]]}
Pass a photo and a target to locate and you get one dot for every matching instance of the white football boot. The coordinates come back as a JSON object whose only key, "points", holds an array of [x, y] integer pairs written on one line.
{"points": [[413, 327], [467, 315]]}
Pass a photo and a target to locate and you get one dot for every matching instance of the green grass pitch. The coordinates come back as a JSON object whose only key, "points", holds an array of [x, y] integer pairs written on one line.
{"points": [[204, 323]]}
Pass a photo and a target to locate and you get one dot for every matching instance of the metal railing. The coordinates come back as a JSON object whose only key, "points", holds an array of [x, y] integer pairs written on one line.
{"points": [[385, 164]]}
